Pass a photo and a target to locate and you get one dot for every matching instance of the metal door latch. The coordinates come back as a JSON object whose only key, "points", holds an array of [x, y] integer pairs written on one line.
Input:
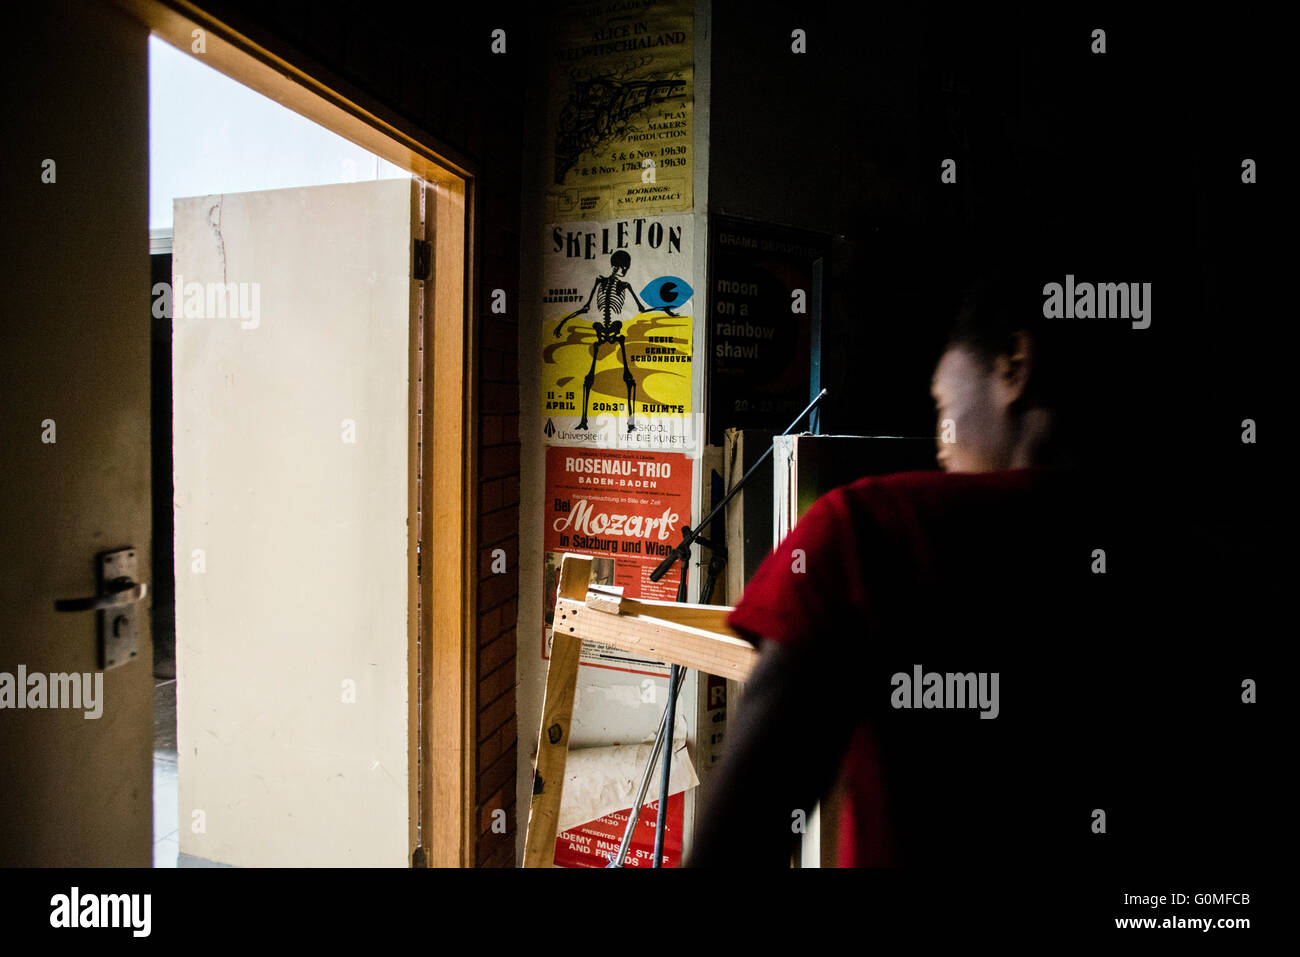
{"points": [[117, 595]]}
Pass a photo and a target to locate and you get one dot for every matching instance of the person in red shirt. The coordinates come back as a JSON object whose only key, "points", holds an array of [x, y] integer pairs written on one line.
{"points": [[938, 638]]}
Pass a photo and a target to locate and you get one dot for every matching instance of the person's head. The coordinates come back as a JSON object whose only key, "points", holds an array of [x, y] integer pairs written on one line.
{"points": [[1001, 385]]}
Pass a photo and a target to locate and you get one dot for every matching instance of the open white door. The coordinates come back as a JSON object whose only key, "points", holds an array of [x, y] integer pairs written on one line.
{"points": [[75, 780], [295, 454]]}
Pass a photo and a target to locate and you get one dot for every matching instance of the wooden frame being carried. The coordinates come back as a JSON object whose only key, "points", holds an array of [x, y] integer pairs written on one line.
{"points": [[694, 636]]}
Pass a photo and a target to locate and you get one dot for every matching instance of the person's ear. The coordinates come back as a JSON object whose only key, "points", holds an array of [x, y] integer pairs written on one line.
{"points": [[1012, 369]]}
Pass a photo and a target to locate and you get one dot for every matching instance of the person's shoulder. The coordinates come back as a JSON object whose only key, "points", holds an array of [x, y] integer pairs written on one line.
{"points": [[903, 500], [956, 482], [934, 484]]}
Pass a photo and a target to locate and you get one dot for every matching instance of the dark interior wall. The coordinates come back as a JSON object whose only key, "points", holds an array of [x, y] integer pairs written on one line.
{"points": [[1124, 166], [1117, 167], [432, 65], [163, 577]]}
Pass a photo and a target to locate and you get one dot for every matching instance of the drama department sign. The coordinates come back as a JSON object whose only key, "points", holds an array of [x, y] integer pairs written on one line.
{"points": [[625, 509], [760, 324]]}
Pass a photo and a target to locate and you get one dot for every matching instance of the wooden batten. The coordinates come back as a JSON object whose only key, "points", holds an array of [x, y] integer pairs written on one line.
{"points": [[695, 636], [557, 719]]}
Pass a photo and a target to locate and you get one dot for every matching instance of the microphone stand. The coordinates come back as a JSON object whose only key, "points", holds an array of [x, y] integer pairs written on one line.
{"points": [[682, 553]]}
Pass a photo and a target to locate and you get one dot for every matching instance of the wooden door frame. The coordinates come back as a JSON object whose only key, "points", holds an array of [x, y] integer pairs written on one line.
{"points": [[446, 660]]}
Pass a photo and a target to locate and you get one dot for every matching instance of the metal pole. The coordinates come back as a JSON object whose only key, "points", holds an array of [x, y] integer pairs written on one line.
{"points": [[683, 550], [674, 682], [635, 816]]}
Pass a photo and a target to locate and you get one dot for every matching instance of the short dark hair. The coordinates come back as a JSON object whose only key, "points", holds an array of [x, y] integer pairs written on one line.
{"points": [[1073, 372], [1108, 386], [992, 310]]}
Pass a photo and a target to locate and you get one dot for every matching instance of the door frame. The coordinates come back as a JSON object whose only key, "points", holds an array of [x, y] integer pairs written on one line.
{"points": [[446, 657]]}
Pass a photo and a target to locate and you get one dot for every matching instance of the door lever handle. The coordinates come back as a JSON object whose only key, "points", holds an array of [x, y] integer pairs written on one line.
{"points": [[118, 593]]}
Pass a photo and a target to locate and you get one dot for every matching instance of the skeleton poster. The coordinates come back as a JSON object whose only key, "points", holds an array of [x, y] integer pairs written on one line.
{"points": [[620, 112], [626, 509], [617, 348]]}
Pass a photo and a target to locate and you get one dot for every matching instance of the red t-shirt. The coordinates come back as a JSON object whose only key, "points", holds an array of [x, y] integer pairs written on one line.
{"points": [[951, 572]]}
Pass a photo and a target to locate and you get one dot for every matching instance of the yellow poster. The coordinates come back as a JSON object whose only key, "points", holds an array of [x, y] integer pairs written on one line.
{"points": [[621, 104], [617, 349]]}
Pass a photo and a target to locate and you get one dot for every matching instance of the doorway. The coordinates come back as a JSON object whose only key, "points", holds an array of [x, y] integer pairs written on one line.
{"points": [[300, 673], [78, 472]]}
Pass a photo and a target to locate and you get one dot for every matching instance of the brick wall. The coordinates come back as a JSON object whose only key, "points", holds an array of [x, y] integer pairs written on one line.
{"points": [[434, 67], [498, 510]]}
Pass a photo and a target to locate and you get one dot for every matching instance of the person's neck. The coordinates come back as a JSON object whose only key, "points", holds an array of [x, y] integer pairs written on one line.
{"points": [[1035, 443]]}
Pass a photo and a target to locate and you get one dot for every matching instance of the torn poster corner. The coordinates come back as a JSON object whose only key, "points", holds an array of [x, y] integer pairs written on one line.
{"points": [[600, 781]]}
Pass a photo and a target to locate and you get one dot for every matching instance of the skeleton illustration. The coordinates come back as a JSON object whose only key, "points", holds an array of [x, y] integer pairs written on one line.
{"points": [[608, 293]]}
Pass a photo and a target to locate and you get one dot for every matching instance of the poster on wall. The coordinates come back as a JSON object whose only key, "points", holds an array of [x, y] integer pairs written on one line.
{"points": [[594, 843], [625, 509], [760, 324], [617, 352], [620, 110]]}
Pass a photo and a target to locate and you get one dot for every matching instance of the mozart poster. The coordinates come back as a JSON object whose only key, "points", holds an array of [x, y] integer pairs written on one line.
{"points": [[626, 509]]}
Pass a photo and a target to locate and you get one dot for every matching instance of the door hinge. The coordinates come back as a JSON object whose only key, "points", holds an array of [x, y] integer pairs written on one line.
{"points": [[419, 561], [418, 859], [422, 259]]}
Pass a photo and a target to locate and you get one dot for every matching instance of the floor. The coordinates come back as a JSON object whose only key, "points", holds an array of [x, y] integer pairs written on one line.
{"points": [[166, 837], [166, 794]]}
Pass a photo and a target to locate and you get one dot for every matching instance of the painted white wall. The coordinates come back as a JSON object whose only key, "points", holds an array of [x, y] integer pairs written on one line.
{"points": [[291, 436], [605, 708], [530, 681]]}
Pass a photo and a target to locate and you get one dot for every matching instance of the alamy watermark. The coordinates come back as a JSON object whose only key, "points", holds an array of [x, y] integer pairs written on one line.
{"points": [[58, 690], [1103, 300], [76, 909], [209, 300], [948, 690]]}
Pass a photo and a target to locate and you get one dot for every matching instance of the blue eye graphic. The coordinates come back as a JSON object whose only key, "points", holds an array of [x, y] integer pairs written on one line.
{"points": [[666, 292]]}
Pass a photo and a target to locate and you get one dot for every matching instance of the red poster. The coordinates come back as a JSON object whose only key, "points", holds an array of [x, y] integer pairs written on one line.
{"points": [[593, 844], [626, 509]]}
